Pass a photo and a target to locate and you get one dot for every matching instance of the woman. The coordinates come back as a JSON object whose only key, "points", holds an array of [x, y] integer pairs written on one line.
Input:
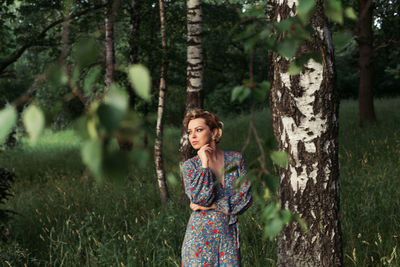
{"points": [[212, 234]]}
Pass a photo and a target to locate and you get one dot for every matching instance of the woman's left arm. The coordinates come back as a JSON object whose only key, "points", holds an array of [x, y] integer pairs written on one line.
{"points": [[242, 199]]}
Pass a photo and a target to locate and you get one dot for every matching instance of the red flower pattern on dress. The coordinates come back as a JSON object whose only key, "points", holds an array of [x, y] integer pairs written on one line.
{"points": [[202, 246]]}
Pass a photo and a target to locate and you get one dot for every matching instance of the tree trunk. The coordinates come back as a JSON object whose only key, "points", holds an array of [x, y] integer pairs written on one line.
{"points": [[304, 111], [365, 37], [109, 43], [160, 116], [133, 45], [126, 144], [194, 72], [153, 62]]}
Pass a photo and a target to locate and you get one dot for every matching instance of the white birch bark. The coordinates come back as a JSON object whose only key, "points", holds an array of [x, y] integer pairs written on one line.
{"points": [[158, 157], [194, 72], [305, 121]]}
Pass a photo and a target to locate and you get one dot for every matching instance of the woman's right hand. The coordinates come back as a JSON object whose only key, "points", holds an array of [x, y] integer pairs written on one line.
{"points": [[203, 154]]}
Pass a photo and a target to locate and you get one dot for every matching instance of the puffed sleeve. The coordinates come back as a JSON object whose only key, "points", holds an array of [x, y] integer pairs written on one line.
{"points": [[199, 184], [240, 200]]}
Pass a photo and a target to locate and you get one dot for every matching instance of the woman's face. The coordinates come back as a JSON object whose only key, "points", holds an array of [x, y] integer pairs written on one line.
{"points": [[199, 133]]}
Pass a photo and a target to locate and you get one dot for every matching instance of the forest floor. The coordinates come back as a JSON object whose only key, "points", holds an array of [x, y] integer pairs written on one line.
{"points": [[64, 218]]}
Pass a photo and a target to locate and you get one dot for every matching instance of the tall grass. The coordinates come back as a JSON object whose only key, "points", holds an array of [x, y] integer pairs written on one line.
{"points": [[64, 219]]}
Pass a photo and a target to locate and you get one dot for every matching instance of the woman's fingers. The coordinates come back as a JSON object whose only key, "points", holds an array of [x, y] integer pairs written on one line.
{"points": [[203, 151], [196, 207]]}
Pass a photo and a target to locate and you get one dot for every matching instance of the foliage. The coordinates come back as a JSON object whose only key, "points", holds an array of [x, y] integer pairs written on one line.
{"points": [[226, 60]]}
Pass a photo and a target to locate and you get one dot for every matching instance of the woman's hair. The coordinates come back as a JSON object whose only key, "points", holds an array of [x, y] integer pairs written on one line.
{"points": [[211, 120]]}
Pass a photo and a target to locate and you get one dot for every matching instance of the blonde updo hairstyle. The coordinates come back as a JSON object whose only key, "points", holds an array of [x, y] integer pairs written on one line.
{"points": [[212, 121]]}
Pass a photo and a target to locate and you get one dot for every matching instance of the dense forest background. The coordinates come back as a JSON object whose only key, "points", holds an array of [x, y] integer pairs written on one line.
{"points": [[225, 59]]}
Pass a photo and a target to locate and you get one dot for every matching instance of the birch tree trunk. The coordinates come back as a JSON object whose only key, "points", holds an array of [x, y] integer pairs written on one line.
{"points": [[365, 38], [109, 47], [194, 71], [304, 111], [158, 157]]}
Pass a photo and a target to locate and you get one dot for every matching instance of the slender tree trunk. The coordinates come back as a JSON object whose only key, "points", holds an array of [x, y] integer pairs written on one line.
{"points": [[304, 110], [153, 63], [160, 116], [365, 37], [133, 45], [126, 144], [194, 72], [109, 42]]}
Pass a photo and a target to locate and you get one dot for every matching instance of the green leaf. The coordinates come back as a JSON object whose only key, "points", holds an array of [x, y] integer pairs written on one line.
{"points": [[172, 179], [272, 183], [288, 47], [244, 94], [297, 64], [139, 77], [265, 85], [236, 92], [92, 157], [75, 75], [240, 93], [34, 122], [57, 76], [266, 33], [286, 216], [8, 118], [260, 92], [305, 10], [274, 227], [294, 69], [117, 98], [280, 158], [247, 33], [284, 25], [91, 79], [85, 52], [113, 110], [250, 43], [342, 39], [349, 12], [80, 127], [271, 211], [334, 11]]}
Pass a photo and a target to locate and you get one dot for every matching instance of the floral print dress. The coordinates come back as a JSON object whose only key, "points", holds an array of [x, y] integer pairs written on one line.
{"points": [[212, 236]]}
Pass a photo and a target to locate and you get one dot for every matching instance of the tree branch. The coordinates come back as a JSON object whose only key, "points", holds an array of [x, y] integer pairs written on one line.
{"points": [[17, 54]]}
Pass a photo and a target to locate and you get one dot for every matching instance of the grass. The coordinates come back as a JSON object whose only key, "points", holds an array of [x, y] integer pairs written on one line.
{"points": [[64, 219]]}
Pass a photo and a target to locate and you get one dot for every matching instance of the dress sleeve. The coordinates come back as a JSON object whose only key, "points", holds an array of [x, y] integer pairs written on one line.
{"points": [[241, 200], [199, 184]]}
